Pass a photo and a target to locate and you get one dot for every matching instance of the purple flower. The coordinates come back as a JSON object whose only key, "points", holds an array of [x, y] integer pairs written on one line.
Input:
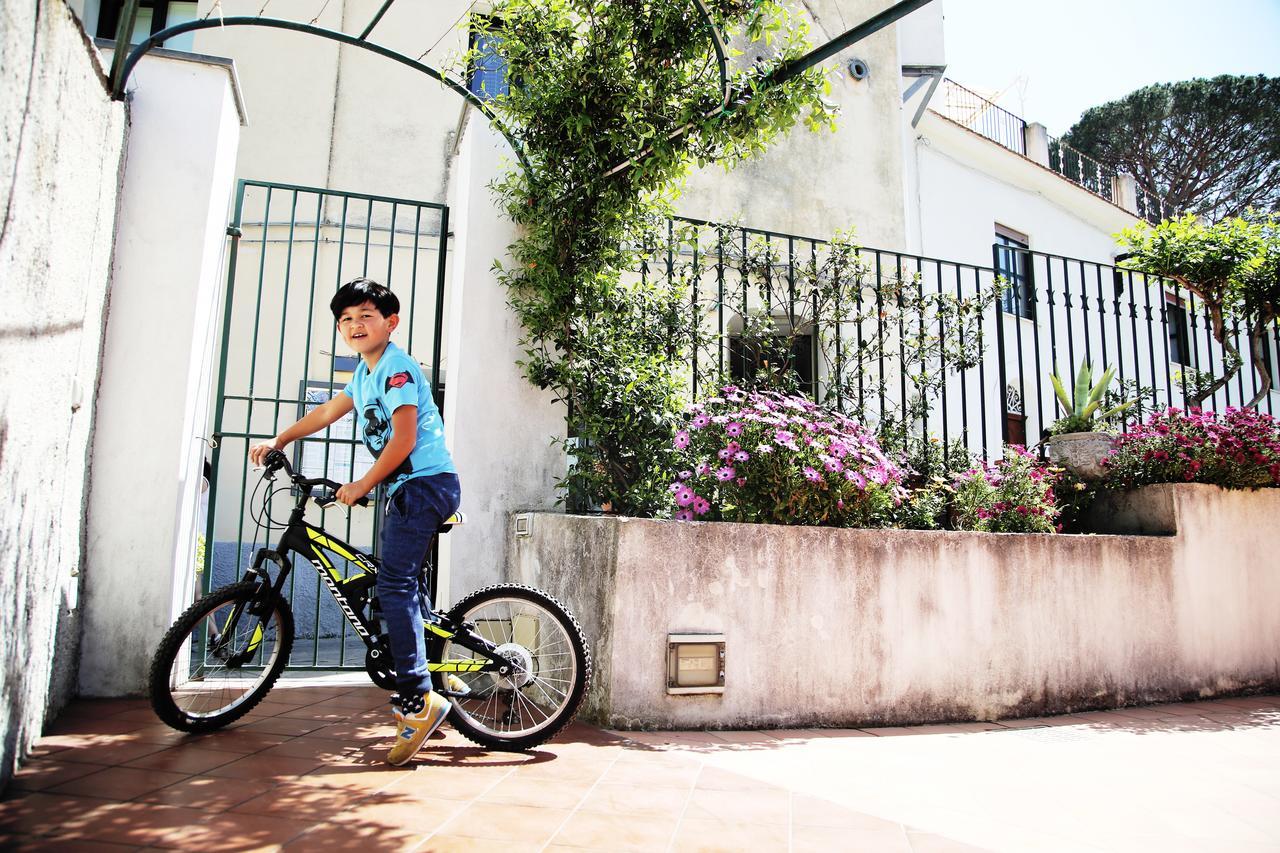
{"points": [[811, 475], [783, 437], [733, 447], [703, 469], [684, 475], [700, 421], [741, 456], [856, 478], [833, 464], [741, 481], [838, 449], [701, 506], [685, 496], [725, 474], [764, 448], [733, 428], [674, 488], [684, 515], [724, 453], [682, 439]]}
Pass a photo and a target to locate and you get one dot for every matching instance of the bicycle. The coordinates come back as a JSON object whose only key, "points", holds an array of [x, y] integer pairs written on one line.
{"points": [[511, 659]]}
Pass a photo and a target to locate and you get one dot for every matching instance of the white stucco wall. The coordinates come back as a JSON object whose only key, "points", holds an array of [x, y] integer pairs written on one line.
{"points": [[157, 366], [503, 432], [60, 144], [863, 627]]}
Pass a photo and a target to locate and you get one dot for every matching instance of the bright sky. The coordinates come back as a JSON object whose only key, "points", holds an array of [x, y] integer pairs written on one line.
{"points": [[1054, 60]]}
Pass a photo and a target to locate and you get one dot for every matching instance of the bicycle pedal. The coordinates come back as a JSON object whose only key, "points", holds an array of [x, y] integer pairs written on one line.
{"points": [[456, 686]]}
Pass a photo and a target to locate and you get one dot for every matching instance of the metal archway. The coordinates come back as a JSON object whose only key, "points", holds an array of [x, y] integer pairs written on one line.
{"points": [[730, 99]]}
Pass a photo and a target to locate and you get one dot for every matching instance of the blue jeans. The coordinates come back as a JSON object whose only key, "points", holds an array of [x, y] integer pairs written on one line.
{"points": [[414, 513]]}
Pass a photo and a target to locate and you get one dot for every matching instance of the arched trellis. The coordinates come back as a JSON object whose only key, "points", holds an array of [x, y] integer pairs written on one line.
{"points": [[122, 65]]}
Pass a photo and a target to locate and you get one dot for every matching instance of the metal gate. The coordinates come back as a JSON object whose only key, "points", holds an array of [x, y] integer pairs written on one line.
{"points": [[291, 248]]}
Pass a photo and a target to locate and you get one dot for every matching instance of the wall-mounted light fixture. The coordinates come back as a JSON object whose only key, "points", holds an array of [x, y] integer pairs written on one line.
{"points": [[523, 525], [695, 663]]}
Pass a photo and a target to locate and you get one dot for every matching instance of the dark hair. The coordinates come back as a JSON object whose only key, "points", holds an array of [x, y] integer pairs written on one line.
{"points": [[361, 290]]}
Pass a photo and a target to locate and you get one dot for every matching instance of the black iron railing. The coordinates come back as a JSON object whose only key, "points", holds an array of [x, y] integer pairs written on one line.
{"points": [[862, 336], [969, 109]]}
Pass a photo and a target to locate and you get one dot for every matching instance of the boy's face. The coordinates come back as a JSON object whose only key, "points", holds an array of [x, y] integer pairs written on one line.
{"points": [[364, 328]]}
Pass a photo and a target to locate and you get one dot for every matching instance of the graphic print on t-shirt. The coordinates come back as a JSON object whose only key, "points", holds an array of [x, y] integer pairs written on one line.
{"points": [[398, 380], [377, 432]]}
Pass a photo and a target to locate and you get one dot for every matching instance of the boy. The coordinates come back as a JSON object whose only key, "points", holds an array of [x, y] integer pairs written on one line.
{"points": [[401, 427]]}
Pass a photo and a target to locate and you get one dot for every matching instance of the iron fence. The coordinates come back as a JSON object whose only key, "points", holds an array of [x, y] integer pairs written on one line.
{"points": [[969, 109], [863, 334]]}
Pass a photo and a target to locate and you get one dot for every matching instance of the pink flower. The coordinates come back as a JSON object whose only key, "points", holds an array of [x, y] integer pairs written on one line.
{"points": [[811, 475], [683, 515], [733, 428], [741, 456], [682, 439], [685, 496], [700, 421], [725, 474], [701, 506]]}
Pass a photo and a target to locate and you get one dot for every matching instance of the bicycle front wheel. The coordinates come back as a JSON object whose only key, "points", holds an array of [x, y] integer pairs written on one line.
{"points": [[220, 658], [550, 671]]}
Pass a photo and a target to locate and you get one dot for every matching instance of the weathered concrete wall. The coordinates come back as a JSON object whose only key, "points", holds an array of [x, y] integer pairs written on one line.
{"points": [[157, 366], [60, 145], [844, 627]]}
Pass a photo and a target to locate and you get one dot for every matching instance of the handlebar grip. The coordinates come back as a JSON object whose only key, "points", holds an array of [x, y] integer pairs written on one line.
{"points": [[328, 500]]}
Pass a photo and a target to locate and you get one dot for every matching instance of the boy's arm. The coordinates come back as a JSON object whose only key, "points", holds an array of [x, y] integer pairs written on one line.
{"points": [[313, 421], [404, 434]]}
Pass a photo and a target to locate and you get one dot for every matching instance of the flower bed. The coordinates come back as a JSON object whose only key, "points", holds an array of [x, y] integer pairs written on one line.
{"points": [[1237, 449]]}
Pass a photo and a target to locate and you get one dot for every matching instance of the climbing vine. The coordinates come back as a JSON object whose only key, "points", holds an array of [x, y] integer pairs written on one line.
{"points": [[614, 102]]}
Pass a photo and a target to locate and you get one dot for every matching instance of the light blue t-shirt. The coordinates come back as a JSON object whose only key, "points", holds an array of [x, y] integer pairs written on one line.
{"points": [[398, 381]]}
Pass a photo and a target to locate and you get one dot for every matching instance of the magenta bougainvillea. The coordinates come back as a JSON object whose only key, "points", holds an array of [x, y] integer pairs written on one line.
{"points": [[767, 457], [1239, 448]]}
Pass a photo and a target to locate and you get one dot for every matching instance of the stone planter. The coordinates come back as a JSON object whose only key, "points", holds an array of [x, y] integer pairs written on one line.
{"points": [[1081, 453], [828, 627]]}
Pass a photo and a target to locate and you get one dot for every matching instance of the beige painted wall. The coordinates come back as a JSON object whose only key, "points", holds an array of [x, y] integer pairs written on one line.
{"points": [[860, 627], [60, 150]]}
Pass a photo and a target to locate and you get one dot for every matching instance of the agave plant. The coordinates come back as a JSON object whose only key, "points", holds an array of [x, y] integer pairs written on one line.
{"points": [[1082, 409]]}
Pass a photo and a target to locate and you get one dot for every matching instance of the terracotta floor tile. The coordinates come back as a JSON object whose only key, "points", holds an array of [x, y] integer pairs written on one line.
{"points": [[651, 775], [811, 811], [746, 738], [615, 832], [719, 779], [769, 807], [310, 803], [522, 824], [465, 844], [237, 832], [259, 766], [92, 726], [119, 783], [339, 838], [42, 813], [209, 793], [62, 845], [140, 824], [417, 813], [706, 836], [566, 772], [284, 726], [523, 791], [362, 779], [318, 714], [659, 803], [46, 773], [110, 753], [184, 759], [323, 749], [925, 842], [822, 839], [240, 740], [454, 784]]}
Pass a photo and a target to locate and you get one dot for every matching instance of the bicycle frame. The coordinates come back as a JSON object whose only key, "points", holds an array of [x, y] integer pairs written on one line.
{"points": [[315, 546]]}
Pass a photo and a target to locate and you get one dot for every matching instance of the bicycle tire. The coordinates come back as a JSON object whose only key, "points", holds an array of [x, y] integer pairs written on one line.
{"points": [[219, 700], [475, 716]]}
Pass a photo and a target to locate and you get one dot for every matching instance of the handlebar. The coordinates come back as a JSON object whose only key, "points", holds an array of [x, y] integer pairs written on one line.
{"points": [[276, 461]]}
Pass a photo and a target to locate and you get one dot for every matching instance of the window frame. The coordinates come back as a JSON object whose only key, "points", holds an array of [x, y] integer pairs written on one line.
{"points": [[1177, 330], [1018, 300]]}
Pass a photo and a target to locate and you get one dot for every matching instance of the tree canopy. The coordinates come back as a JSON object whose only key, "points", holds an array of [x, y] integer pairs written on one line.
{"points": [[1208, 146]]}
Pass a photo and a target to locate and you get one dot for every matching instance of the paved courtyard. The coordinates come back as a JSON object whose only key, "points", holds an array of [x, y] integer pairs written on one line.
{"points": [[304, 772]]}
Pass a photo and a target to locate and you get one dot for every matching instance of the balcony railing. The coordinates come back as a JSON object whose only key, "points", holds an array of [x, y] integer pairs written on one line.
{"points": [[971, 110]]}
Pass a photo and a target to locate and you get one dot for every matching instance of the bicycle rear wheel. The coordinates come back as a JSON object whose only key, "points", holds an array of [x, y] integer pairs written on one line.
{"points": [[220, 658], [552, 668]]}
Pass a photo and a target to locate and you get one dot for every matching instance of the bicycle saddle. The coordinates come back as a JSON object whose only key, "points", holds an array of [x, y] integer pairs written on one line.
{"points": [[456, 518]]}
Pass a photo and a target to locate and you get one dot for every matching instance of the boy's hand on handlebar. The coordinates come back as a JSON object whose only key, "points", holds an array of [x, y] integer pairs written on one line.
{"points": [[258, 453], [352, 492]]}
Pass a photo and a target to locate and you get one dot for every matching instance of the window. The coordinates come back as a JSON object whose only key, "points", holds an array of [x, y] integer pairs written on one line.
{"points": [[153, 16], [749, 359], [488, 77], [1176, 326], [1014, 417], [1013, 264]]}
